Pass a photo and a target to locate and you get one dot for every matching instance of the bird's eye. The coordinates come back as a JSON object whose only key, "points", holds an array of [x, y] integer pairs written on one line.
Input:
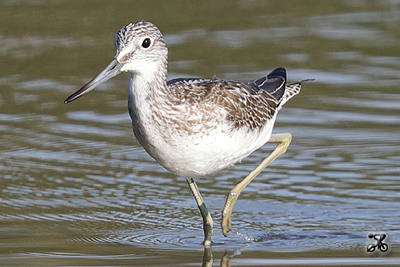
{"points": [[146, 43]]}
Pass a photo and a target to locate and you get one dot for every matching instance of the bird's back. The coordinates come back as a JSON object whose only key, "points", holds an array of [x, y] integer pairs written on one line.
{"points": [[248, 104]]}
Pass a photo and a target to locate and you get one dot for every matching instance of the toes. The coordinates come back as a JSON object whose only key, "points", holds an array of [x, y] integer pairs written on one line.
{"points": [[226, 225]]}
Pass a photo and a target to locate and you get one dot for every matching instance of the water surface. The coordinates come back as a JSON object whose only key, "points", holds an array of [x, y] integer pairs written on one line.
{"points": [[77, 188]]}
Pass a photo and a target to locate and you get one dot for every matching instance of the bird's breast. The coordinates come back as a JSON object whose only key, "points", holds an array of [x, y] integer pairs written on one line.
{"points": [[193, 143]]}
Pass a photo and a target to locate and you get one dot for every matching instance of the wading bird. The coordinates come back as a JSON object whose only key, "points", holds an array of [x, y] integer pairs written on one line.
{"points": [[195, 127]]}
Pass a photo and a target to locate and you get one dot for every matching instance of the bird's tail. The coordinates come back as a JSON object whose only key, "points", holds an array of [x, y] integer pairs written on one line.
{"points": [[291, 90]]}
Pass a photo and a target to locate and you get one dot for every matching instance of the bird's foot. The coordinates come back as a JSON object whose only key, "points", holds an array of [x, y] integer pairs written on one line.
{"points": [[226, 224]]}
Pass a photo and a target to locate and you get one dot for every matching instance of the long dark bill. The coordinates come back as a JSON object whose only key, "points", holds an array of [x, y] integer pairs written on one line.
{"points": [[112, 70]]}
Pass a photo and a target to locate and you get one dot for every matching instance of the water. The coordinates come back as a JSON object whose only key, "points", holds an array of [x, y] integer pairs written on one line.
{"points": [[77, 189]]}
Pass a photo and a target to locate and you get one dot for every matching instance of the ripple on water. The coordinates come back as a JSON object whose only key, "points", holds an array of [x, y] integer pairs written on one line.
{"points": [[85, 129], [102, 118]]}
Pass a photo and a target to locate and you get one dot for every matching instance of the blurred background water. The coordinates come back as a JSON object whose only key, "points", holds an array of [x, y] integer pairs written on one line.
{"points": [[76, 188]]}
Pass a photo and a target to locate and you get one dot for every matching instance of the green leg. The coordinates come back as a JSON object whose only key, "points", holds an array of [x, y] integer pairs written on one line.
{"points": [[284, 140], [207, 220]]}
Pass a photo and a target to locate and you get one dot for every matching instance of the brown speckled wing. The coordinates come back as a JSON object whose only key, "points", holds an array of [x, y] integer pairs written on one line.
{"points": [[248, 104], [245, 103]]}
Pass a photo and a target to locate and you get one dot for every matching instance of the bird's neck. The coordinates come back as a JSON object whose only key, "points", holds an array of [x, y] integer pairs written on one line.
{"points": [[147, 88]]}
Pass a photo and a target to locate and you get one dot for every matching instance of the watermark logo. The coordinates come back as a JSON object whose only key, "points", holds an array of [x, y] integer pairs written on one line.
{"points": [[377, 243]]}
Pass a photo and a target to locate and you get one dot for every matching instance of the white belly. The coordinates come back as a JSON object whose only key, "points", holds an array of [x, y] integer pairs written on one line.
{"points": [[203, 153]]}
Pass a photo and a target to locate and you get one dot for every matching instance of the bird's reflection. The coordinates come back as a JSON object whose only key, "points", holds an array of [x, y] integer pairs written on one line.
{"points": [[208, 258]]}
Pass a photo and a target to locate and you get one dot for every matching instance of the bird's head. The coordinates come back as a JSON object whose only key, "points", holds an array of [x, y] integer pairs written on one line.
{"points": [[140, 50]]}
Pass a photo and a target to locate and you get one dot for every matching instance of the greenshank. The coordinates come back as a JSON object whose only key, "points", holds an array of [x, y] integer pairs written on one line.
{"points": [[195, 127]]}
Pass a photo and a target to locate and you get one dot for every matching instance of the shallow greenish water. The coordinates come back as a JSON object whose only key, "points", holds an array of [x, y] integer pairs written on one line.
{"points": [[77, 189]]}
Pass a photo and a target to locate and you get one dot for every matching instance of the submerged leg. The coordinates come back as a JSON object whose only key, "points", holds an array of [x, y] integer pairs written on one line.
{"points": [[284, 140], [207, 220]]}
